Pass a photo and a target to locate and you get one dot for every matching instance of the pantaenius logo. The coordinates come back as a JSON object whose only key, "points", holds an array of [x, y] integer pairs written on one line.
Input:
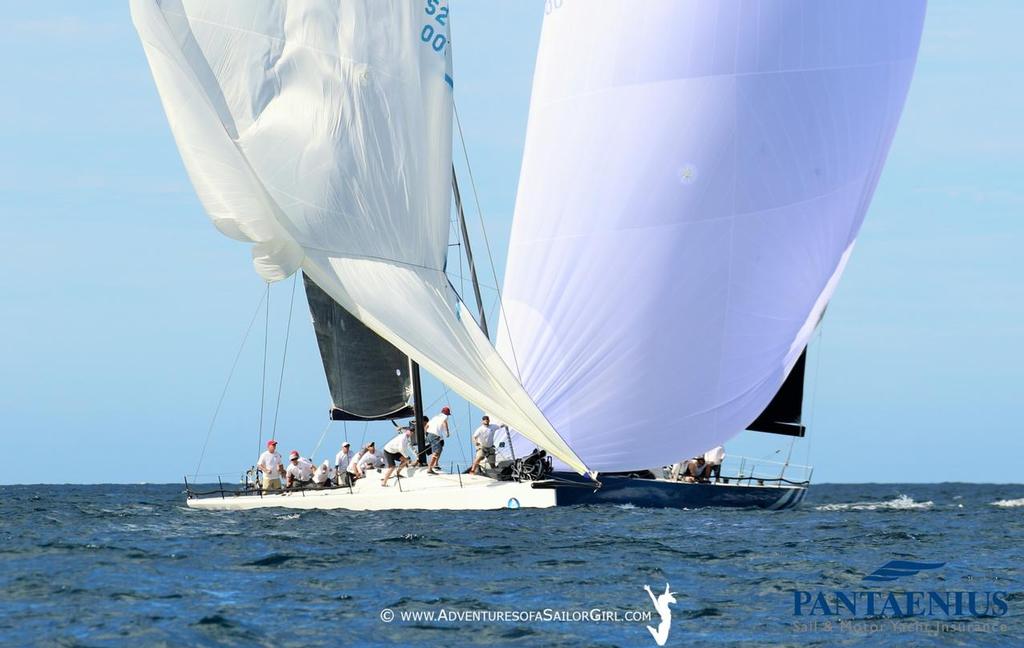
{"points": [[902, 603]]}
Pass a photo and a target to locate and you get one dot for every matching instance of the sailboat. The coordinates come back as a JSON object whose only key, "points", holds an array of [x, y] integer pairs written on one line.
{"points": [[690, 193]]}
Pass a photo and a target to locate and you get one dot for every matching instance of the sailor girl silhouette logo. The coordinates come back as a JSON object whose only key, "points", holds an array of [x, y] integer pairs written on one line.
{"points": [[661, 603]]}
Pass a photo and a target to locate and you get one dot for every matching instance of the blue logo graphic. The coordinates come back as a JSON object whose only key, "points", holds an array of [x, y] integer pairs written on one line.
{"points": [[899, 603], [897, 569], [513, 503]]}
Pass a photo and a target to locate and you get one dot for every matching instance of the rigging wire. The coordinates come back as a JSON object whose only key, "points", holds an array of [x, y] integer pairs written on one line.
{"points": [[458, 440], [227, 383], [814, 394], [318, 443], [814, 390], [284, 355], [362, 439], [487, 244], [263, 379]]}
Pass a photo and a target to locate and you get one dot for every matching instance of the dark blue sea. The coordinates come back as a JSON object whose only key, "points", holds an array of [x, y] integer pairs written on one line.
{"points": [[131, 565]]}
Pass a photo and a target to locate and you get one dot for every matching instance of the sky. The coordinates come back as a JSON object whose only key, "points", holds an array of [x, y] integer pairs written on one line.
{"points": [[122, 309]]}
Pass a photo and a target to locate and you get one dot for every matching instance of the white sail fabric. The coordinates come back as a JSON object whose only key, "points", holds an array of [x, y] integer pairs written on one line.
{"points": [[694, 177], [320, 131]]}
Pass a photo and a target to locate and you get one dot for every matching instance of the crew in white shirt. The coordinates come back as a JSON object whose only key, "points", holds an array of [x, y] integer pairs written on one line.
{"points": [[323, 475], [435, 427], [342, 459], [483, 441], [269, 464], [397, 450], [714, 458], [299, 471], [364, 460]]}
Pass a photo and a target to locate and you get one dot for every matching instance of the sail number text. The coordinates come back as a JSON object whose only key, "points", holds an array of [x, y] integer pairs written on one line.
{"points": [[435, 37]]}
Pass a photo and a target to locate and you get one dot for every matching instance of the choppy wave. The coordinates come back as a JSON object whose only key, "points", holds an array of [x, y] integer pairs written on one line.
{"points": [[903, 502], [1009, 503], [121, 565]]}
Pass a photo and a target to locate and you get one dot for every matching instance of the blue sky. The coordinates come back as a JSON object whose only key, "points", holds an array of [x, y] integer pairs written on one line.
{"points": [[123, 308]]}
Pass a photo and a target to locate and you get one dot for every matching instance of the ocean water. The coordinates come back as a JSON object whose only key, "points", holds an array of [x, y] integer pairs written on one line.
{"points": [[131, 565]]}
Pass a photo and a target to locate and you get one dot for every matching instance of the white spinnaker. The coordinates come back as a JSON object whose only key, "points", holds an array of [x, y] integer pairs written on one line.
{"points": [[694, 177], [320, 131]]}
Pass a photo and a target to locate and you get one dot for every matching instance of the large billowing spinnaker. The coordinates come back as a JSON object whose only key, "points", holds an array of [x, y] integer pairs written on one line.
{"points": [[694, 177]]}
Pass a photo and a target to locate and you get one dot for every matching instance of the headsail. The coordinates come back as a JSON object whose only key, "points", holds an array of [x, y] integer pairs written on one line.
{"points": [[694, 177], [369, 379], [320, 132]]}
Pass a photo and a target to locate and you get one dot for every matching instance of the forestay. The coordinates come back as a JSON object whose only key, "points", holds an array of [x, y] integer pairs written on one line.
{"points": [[694, 177], [320, 132]]}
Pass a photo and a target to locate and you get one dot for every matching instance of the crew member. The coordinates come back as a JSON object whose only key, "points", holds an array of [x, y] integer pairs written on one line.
{"points": [[322, 476], [270, 465], [396, 451], [342, 459], [362, 461], [483, 441], [299, 471], [714, 458], [435, 427]]}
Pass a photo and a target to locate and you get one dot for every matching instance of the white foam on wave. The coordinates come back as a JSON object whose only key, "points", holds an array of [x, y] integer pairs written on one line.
{"points": [[1009, 503], [901, 503], [290, 516]]}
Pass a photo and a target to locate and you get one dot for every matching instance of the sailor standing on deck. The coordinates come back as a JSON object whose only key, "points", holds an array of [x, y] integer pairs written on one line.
{"points": [[483, 441], [270, 465], [397, 450], [435, 427]]}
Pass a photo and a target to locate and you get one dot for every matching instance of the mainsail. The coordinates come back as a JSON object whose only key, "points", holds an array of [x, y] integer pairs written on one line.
{"points": [[369, 379], [784, 413], [320, 132], [694, 177]]}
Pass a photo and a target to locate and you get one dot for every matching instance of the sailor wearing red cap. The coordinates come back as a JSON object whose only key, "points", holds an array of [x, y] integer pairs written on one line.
{"points": [[435, 427], [299, 471], [270, 465]]}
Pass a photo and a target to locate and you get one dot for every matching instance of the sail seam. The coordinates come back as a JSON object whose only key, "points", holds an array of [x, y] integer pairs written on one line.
{"points": [[337, 254], [289, 41], [638, 228], [613, 88]]}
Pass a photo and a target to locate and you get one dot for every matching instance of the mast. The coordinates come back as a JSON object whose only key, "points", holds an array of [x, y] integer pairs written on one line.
{"points": [[469, 253], [417, 406]]}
